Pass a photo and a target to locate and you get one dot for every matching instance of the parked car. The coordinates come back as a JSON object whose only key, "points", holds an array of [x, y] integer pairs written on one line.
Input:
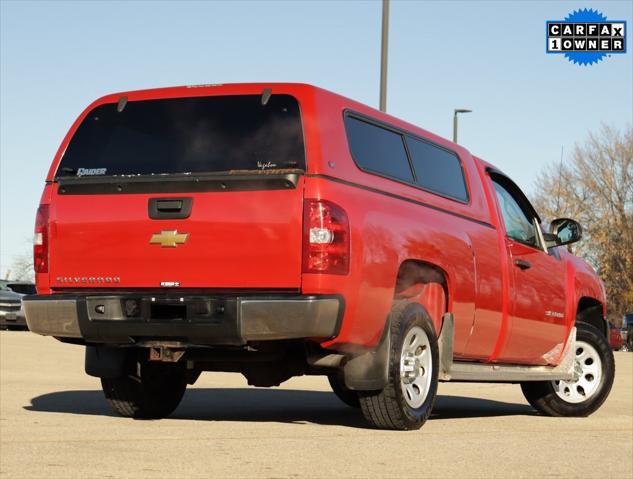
{"points": [[280, 229], [11, 311], [20, 287], [616, 339], [627, 332], [12, 314]]}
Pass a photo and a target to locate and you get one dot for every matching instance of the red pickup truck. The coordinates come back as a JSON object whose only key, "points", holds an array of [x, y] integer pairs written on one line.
{"points": [[277, 230]]}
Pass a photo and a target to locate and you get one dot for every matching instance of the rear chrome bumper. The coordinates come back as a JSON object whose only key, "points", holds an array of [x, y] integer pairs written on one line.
{"points": [[55, 317], [199, 319]]}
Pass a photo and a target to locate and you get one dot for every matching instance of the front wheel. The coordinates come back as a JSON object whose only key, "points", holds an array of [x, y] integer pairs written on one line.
{"points": [[406, 402], [148, 391], [582, 396]]}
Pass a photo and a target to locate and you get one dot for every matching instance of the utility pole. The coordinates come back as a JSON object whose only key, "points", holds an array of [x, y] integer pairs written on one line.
{"points": [[455, 113], [383, 55]]}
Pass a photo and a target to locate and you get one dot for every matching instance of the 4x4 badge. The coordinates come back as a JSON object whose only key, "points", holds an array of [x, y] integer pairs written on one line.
{"points": [[169, 238]]}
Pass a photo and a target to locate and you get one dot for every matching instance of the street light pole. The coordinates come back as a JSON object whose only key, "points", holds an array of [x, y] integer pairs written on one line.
{"points": [[383, 55], [456, 112]]}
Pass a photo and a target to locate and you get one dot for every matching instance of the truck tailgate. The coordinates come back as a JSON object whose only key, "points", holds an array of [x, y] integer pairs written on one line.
{"points": [[243, 239]]}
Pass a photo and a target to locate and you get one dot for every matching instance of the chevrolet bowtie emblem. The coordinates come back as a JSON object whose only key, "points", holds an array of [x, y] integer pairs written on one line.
{"points": [[169, 238]]}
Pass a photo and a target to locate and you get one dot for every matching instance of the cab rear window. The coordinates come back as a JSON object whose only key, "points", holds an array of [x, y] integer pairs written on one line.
{"points": [[187, 135]]}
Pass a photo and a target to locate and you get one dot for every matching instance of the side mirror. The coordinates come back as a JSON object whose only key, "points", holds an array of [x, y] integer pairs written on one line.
{"points": [[565, 230]]}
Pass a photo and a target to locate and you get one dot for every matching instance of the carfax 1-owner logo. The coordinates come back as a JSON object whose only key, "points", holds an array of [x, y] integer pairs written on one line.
{"points": [[586, 37]]}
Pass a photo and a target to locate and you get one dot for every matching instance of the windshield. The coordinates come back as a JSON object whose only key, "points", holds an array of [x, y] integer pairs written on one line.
{"points": [[187, 135]]}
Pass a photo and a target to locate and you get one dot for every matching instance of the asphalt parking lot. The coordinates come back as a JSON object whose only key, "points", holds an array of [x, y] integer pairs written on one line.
{"points": [[55, 423]]}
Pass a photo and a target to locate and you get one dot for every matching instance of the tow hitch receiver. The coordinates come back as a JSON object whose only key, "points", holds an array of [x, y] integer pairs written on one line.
{"points": [[166, 352]]}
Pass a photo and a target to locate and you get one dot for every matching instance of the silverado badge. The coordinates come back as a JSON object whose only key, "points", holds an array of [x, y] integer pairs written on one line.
{"points": [[169, 238]]}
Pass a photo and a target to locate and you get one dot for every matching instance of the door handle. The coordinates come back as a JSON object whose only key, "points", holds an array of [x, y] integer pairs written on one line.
{"points": [[521, 263]]}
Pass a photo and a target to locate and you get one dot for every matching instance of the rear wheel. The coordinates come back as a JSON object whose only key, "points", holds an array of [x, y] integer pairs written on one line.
{"points": [[148, 391], [346, 395], [407, 400], [582, 396]]}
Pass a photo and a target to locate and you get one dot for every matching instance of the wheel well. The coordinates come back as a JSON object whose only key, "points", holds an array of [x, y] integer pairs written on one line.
{"points": [[426, 284], [590, 311]]}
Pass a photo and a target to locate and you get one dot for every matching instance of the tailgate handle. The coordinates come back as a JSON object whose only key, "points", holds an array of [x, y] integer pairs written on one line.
{"points": [[169, 205], [169, 208]]}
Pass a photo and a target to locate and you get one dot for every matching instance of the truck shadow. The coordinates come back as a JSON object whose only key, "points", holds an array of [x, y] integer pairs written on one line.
{"points": [[271, 405]]}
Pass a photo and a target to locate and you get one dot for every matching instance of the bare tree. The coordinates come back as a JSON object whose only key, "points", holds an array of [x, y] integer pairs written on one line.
{"points": [[596, 188], [22, 268]]}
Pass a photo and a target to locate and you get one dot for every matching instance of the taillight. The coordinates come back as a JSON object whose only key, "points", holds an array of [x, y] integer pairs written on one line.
{"points": [[326, 245], [40, 242]]}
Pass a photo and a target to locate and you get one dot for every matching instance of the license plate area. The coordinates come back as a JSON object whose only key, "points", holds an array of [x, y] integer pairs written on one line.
{"points": [[168, 311], [153, 309]]}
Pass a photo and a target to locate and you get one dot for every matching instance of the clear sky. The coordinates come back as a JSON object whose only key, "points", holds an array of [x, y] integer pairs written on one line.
{"points": [[56, 57]]}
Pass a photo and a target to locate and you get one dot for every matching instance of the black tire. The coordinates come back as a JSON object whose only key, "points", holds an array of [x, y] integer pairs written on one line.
{"points": [[148, 391], [348, 396], [543, 397], [388, 408]]}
